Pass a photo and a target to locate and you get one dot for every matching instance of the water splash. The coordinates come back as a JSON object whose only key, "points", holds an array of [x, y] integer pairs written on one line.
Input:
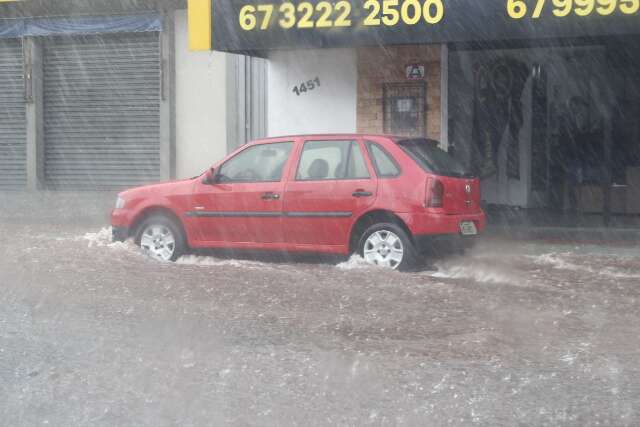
{"points": [[102, 238], [560, 261], [477, 272], [356, 262], [209, 261]]}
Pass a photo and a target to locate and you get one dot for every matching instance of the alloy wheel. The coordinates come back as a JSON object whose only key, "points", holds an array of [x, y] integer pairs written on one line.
{"points": [[384, 248], [158, 242]]}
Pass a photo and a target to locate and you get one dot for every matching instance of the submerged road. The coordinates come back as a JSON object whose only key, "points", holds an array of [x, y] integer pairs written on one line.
{"points": [[94, 333]]}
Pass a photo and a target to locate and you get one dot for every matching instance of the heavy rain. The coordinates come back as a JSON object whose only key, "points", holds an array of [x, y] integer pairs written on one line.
{"points": [[380, 212]]}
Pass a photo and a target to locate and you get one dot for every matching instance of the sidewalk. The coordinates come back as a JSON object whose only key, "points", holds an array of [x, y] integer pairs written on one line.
{"points": [[55, 207], [573, 234], [526, 224]]}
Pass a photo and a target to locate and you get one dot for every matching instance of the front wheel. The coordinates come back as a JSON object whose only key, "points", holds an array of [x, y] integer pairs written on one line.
{"points": [[161, 239], [387, 245]]}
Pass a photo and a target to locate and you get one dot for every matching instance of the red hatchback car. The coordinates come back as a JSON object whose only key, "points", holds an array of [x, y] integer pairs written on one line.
{"points": [[384, 197]]}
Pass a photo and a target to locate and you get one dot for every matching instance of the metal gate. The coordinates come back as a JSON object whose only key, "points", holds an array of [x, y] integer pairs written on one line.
{"points": [[102, 111], [13, 130]]}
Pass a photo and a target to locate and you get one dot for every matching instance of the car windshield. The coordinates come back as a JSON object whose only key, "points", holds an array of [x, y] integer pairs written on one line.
{"points": [[432, 158]]}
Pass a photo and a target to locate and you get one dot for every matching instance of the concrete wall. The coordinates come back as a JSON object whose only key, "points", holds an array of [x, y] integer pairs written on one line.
{"points": [[201, 109], [328, 108]]}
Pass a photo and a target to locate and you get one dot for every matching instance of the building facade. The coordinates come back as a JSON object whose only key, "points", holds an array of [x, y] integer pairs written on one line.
{"points": [[539, 100]]}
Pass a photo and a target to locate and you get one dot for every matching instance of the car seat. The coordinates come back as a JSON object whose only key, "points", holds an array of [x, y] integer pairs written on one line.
{"points": [[319, 169]]}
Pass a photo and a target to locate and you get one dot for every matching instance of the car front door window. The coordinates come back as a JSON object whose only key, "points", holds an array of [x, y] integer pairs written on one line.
{"points": [[260, 163]]}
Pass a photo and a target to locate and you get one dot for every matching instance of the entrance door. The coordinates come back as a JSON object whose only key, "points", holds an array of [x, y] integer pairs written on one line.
{"points": [[244, 205], [404, 109], [333, 185], [501, 125]]}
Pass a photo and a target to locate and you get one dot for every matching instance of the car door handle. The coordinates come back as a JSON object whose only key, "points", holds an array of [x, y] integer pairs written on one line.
{"points": [[270, 196], [362, 193]]}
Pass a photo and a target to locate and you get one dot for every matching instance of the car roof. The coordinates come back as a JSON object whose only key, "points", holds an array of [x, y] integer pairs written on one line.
{"points": [[329, 135]]}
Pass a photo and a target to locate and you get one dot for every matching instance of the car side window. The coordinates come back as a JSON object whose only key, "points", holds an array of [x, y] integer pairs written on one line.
{"points": [[385, 165], [331, 160], [357, 167], [260, 163]]}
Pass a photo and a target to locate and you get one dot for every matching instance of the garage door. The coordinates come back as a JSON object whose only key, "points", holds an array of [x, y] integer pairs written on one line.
{"points": [[102, 111], [13, 163]]}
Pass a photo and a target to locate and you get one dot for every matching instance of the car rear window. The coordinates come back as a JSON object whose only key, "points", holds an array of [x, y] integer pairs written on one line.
{"points": [[432, 158]]}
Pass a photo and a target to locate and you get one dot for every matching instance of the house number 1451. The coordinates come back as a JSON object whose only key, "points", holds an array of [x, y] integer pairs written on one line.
{"points": [[306, 86]]}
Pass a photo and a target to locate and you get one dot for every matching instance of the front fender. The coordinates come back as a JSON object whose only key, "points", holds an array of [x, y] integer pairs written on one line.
{"points": [[136, 210]]}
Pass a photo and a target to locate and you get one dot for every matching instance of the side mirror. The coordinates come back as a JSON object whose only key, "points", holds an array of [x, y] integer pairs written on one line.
{"points": [[210, 177]]}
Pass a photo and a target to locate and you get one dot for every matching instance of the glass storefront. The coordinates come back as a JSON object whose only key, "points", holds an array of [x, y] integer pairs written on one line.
{"points": [[549, 127]]}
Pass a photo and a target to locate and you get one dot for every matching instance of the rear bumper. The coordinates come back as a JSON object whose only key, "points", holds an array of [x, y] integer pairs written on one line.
{"points": [[119, 234], [433, 223]]}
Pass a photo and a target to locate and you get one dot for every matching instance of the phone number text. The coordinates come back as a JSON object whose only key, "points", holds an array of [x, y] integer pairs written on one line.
{"points": [[518, 9], [339, 14]]}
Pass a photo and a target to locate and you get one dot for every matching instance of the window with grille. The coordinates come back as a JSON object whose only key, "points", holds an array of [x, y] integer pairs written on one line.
{"points": [[404, 109]]}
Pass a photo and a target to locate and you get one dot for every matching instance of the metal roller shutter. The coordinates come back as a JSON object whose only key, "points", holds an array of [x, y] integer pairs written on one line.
{"points": [[102, 111], [13, 130]]}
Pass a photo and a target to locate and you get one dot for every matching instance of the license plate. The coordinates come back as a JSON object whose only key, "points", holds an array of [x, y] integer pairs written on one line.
{"points": [[468, 228]]}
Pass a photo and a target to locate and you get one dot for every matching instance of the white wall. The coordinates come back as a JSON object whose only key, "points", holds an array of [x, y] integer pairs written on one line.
{"points": [[329, 108], [201, 134]]}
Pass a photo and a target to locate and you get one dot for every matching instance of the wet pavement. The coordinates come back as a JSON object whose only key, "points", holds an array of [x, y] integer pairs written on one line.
{"points": [[95, 333]]}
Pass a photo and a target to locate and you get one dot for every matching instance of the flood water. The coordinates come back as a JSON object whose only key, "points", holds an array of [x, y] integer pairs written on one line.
{"points": [[95, 333]]}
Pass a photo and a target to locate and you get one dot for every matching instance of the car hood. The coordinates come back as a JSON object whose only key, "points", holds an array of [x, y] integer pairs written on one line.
{"points": [[159, 190]]}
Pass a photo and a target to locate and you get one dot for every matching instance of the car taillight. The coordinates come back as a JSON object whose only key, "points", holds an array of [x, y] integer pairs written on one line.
{"points": [[435, 193]]}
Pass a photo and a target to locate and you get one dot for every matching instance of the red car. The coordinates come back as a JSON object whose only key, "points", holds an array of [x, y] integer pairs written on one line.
{"points": [[384, 197]]}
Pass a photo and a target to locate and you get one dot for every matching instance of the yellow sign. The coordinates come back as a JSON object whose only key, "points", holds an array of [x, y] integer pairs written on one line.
{"points": [[199, 18]]}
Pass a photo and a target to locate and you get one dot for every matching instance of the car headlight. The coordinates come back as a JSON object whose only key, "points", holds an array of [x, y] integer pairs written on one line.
{"points": [[119, 203]]}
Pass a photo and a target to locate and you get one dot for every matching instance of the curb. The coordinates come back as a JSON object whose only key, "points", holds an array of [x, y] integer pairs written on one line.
{"points": [[576, 234]]}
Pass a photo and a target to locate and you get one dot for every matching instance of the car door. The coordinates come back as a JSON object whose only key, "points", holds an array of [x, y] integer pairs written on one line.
{"points": [[244, 203], [331, 184]]}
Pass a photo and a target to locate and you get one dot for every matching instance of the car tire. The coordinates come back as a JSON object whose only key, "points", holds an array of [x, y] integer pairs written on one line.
{"points": [[380, 244], [161, 238]]}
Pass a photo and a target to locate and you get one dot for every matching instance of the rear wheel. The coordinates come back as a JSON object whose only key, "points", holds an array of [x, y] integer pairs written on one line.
{"points": [[161, 239], [387, 245]]}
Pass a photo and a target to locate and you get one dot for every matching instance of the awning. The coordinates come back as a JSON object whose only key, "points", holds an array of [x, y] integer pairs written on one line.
{"points": [[58, 26]]}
